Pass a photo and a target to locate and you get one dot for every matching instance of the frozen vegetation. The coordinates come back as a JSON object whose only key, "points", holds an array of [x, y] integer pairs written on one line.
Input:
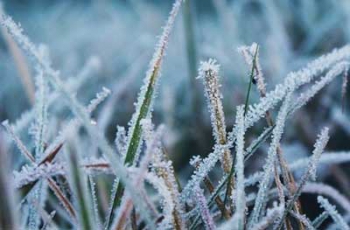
{"points": [[234, 117]]}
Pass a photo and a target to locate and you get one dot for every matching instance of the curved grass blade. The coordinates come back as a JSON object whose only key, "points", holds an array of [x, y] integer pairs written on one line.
{"points": [[144, 106]]}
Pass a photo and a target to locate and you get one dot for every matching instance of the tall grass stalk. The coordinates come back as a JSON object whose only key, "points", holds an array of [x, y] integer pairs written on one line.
{"points": [[144, 104]]}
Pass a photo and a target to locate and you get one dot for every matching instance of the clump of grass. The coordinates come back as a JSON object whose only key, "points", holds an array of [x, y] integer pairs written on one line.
{"points": [[146, 192]]}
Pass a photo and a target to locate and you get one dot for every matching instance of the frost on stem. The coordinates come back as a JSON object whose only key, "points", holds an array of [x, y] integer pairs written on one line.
{"points": [[310, 171], [144, 105], [303, 219], [209, 72], [338, 219], [93, 195], [120, 141], [29, 174], [292, 82], [148, 90], [203, 207], [271, 216], [167, 200], [326, 159], [41, 113], [319, 148], [61, 137], [329, 191], [265, 182], [304, 97], [17, 141], [239, 168], [77, 108], [344, 88], [163, 168], [203, 169], [100, 97], [73, 84], [251, 57], [320, 145]]}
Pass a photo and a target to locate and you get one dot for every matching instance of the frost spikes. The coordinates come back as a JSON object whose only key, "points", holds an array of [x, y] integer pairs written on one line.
{"points": [[338, 219], [269, 165], [144, 103], [240, 194], [209, 72]]}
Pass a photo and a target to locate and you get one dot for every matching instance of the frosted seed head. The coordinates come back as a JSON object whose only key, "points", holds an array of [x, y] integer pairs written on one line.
{"points": [[208, 68]]}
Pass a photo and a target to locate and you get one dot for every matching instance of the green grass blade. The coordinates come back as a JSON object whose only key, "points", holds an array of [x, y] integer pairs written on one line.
{"points": [[144, 107]]}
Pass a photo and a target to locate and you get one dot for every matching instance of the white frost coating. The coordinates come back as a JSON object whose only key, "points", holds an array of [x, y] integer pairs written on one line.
{"points": [[73, 84], [338, 219], [18, 142], [195, 160], [310, 170], [344, 84], [61, 137], [147, 130], [154, 68], [162, 167], [204, 210], [303, 218], [293, 81], [30, 174], [208, 66], [320, 145], [271, 216], [100, 97], [336, 55], [239, 168], [41, 113], [326, 190], [264, 184], [202, 171], [248, 53], [168, 202], [259, 139], [94, 202], [326, 159], [315, 88], [120, 141], [209, 72], [16, 32]]}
